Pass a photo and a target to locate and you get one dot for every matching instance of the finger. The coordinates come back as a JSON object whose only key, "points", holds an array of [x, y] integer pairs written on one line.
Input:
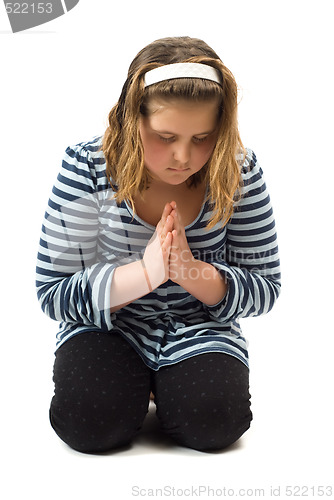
{"points": [[166, 212], [166, 246], [177, 222], [175, 241], [169, 223], [168, 226], [179, 218]]}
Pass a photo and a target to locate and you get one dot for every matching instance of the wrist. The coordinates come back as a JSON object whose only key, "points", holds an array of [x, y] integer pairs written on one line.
{"points": [[146, 275], [203, 281], [189, 271], [153, 271]]}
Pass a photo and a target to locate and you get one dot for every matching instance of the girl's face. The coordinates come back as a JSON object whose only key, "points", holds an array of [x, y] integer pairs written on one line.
{"points": [[178, 138]]}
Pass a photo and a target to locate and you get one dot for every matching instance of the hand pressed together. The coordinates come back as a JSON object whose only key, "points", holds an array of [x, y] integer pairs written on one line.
{"points": [[199, 278], [156, 255], [167, 255], [181, 259]]}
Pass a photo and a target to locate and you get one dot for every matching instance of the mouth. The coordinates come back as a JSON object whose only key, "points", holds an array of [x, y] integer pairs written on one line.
{"points": [[178, 169]]}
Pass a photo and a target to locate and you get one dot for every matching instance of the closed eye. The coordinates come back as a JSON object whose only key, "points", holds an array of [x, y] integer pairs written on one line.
{"points": [[197, 140], [166, 139], [200, 139]]}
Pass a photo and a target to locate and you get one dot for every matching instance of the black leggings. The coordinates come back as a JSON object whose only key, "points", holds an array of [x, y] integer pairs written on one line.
{"points": [[102, 391]]}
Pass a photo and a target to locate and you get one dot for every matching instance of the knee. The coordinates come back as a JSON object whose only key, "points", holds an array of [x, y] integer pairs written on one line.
{"points": [[210, 424], [88, 432]]}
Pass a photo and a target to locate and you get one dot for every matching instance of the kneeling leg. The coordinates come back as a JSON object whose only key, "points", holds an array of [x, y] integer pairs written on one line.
{"points": [[102, 390], [204, 402]]}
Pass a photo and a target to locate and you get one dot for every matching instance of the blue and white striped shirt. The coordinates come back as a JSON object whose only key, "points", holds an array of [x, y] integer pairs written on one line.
{"points": [[86, 235]]}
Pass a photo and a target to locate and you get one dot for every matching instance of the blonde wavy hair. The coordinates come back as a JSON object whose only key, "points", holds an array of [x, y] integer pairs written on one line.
{"points": [[122, 145]]}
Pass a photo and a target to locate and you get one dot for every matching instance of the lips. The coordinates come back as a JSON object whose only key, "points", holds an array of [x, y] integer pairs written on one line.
{"points": [[178, 169]]}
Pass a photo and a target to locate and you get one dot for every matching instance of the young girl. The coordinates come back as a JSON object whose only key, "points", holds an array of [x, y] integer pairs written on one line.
{"points": [[158, 238]]}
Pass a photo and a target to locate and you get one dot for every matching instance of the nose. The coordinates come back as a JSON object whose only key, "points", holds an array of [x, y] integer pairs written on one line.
{"points": [[182, 153]]}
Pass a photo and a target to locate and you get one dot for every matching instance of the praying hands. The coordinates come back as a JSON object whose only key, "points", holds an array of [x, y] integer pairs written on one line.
{"points": [[199, 278]]}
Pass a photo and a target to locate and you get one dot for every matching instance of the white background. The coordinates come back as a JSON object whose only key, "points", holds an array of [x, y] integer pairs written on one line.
{"points": [[58, 84]]}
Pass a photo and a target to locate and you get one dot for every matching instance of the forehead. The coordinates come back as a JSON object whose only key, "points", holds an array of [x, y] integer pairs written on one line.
{"points": [[181, 114], [155, 104]]}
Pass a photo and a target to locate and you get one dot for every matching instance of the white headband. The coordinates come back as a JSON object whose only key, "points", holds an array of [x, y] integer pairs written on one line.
{"points": [[182, 70]]}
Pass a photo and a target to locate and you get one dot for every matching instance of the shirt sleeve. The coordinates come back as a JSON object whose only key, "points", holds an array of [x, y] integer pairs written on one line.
{"points": [[251, 264], [72, 286]]}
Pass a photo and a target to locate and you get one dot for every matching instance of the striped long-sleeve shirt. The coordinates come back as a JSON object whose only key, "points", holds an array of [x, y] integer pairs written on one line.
{"points": [[86, 235]]}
